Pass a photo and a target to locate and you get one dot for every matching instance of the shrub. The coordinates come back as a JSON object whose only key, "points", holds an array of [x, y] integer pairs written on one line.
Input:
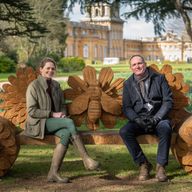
{"points": [[54, 56], [34, 62], [7, 65], [70, 64], [13, 55], [36, 59]]}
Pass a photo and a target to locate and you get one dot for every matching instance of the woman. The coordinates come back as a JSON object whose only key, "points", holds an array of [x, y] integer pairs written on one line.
{"points": [[47, 115]]}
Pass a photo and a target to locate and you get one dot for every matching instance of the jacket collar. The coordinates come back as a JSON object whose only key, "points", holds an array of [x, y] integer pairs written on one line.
{"points": [[42, 81], [151, 73]]}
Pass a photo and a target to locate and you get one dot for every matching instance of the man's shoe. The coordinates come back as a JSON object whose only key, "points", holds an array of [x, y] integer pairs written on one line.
{"points": [[144, 172], [160, 173]]}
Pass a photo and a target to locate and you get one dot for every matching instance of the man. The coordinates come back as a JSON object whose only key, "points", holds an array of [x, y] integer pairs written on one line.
{"points": [[147, 100]]}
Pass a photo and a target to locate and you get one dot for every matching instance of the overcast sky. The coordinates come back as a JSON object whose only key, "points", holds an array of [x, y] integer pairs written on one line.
{"points": [[133, 29]]}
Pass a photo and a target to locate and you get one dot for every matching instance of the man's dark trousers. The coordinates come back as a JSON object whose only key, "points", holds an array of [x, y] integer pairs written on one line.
{"points": [[163, 131]]}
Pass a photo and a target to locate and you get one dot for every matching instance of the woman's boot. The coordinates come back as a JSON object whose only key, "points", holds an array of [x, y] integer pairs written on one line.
{"points": [[88, 162], [58, 156]]}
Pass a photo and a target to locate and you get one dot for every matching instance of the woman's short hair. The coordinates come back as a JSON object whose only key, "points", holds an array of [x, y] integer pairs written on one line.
{"points": [[45, 60]]}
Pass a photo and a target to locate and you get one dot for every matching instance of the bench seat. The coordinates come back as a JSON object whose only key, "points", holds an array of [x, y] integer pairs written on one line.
{"points": [[91, 137]]}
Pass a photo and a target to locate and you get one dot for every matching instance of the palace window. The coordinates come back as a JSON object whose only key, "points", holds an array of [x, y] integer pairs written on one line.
{"points": [[96, 12], [85, 51], [103, 11], [96, 52], [84, 32], [105, 52]]}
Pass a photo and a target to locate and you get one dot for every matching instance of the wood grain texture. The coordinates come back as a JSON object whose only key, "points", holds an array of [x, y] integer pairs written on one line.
{"points": [[93, 99], [9, 147]]}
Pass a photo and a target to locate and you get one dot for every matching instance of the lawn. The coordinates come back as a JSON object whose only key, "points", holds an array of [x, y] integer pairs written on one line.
{"points": [[118, 68], [117, 172]]}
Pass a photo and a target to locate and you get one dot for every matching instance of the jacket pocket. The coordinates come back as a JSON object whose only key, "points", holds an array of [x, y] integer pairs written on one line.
{"points": [[33, 128]]}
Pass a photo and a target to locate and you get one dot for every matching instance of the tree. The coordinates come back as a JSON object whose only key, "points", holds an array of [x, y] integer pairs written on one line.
{"points": [[50, 13], [178, 27], [156, 11], [17, 19], [184, 7]]}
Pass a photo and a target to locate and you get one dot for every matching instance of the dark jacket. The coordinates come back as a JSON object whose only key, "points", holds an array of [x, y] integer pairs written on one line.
{"points": [[159, 94], [39, 105]]}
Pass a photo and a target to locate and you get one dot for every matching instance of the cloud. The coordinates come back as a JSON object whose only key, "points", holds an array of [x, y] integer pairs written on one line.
{"points": [[76, 14], [133, 29]]}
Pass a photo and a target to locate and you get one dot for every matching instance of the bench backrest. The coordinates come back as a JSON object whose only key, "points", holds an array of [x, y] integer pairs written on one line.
{"points": [[93, 98]]}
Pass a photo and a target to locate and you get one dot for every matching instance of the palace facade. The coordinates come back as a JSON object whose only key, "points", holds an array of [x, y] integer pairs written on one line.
{"points": [[100, 35]]}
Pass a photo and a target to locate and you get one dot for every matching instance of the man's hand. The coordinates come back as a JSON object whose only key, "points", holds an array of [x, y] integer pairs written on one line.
{"points": [[153, 121], [147, 123], [140, 122]]}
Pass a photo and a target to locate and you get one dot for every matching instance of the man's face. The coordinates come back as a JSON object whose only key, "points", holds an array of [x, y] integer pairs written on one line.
{"points": [[138, 66]]}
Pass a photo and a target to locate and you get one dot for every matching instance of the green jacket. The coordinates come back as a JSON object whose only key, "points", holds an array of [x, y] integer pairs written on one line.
{"points": [[39, 105]]}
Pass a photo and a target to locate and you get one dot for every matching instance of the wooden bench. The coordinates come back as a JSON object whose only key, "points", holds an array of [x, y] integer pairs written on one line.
{"points": [[14, 107], [94, 138]]}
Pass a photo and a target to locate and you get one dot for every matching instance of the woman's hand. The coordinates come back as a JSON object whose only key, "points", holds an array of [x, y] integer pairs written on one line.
{"points": [[58, 115]]}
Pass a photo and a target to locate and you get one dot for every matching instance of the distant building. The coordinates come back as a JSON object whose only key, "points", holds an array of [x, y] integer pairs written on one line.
{"points": [[100, 35]]}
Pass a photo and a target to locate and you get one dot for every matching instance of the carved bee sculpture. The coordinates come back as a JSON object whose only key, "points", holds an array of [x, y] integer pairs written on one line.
{"points": [[13, 96], [181, 118], [94, 100]]}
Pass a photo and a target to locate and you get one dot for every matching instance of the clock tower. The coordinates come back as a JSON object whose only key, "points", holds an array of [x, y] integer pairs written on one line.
{"points": [[104, 14]]}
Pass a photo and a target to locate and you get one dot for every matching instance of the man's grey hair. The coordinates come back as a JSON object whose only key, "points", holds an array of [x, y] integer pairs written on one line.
{"points": [[136, 56]]}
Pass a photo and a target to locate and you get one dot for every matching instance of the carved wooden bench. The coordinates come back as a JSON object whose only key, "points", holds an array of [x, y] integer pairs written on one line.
{"points": [[90, 137], [93, 100]]}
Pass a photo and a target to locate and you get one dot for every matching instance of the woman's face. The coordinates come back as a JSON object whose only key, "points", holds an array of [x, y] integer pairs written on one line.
{"points": [[48, 70]]}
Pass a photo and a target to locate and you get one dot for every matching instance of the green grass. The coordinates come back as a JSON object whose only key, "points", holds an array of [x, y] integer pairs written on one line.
{"points": [[62, 74], [34, 161], [4, 76], [118, 68], [116, 165]]}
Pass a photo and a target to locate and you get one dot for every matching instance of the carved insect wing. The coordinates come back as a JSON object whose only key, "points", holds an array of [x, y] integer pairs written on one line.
{"points": [[89, 75], [110, 104], [166, 69], [78, 119], [79, 104], [71, 94], [105, 77], [77, 83], [154, 67], [13, 80], [14, 95], [108, 120], [115, 87]]}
